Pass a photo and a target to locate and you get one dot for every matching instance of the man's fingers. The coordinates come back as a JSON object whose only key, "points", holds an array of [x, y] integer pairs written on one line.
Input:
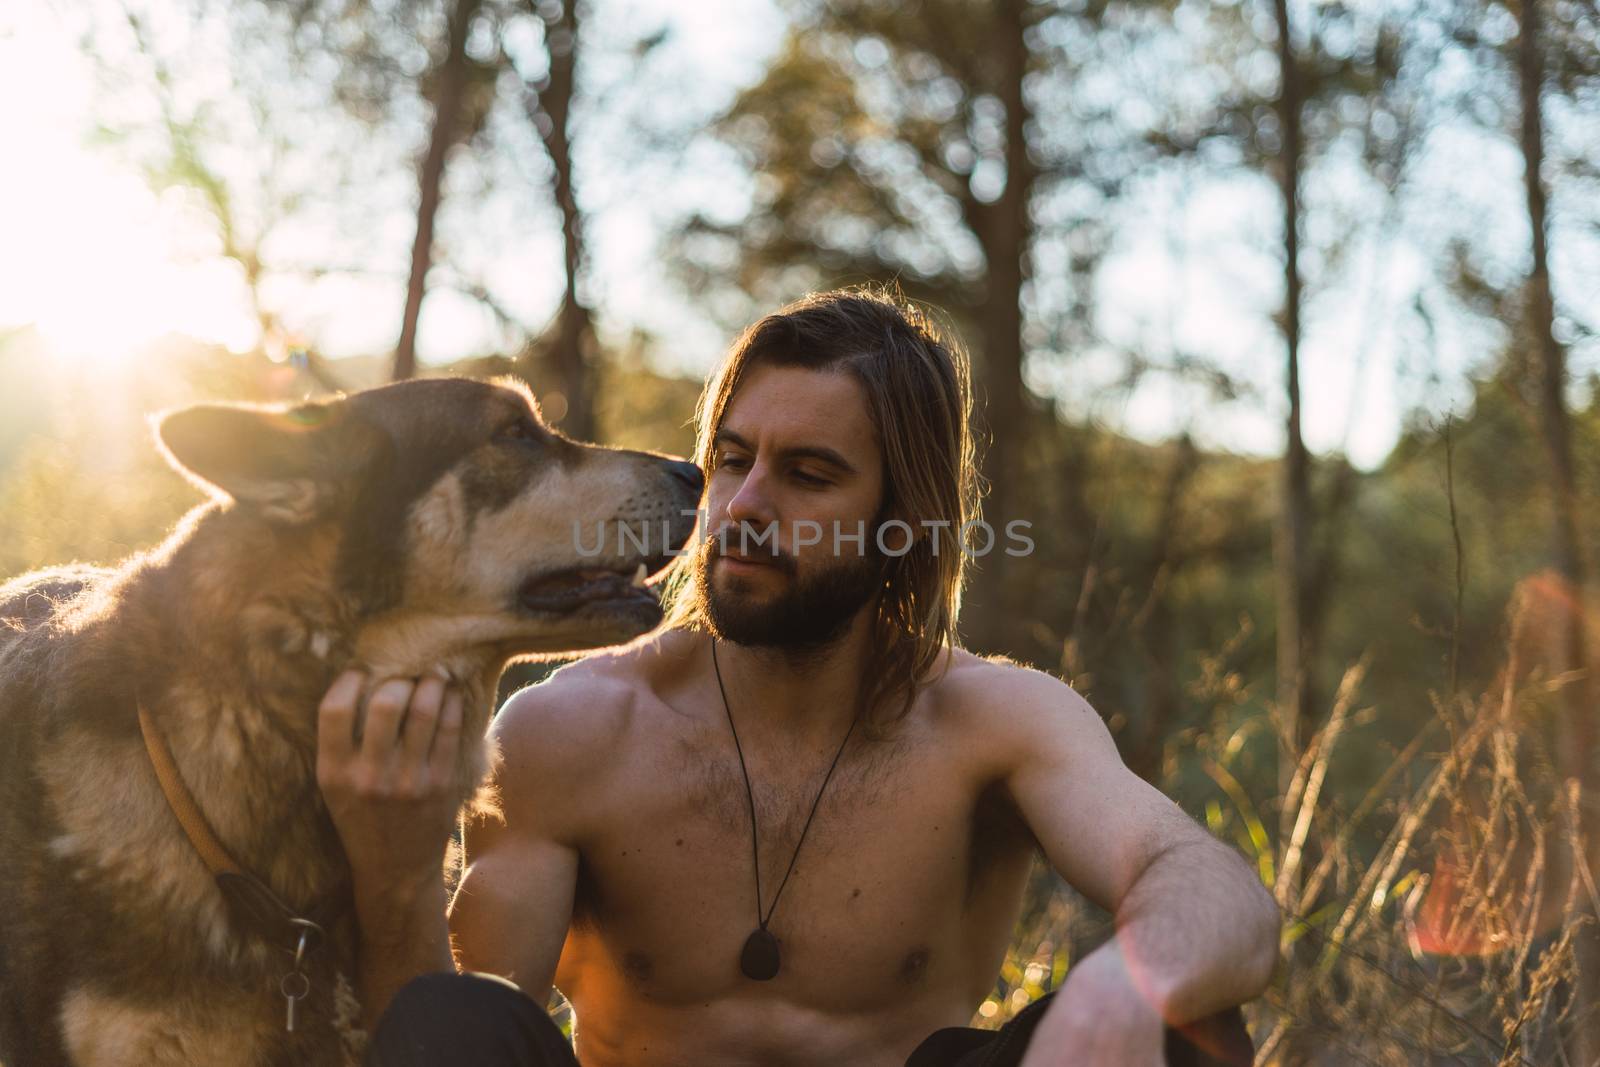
{"points": [[336, 716], [447, 738], [385, 708], [421, 719]]}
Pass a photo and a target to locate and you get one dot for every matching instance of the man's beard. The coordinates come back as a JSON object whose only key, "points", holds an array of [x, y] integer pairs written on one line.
{"points": [[810, 613]]}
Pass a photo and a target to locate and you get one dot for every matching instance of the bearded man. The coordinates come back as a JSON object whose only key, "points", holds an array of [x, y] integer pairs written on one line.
{"points": [[793, 825]]}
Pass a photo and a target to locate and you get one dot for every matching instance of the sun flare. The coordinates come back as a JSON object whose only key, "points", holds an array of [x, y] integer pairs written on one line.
{"points": [[95, 261]]}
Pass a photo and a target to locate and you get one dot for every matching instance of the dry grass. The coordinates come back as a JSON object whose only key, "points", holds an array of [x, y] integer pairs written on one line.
{"points": [[1435, 921]]}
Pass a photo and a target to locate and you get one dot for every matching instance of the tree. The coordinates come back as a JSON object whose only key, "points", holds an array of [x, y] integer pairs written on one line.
{"points": [[1339, 92], [449, 125], [1535, 65], [1578, 698], [569, 347], [1294, 507], [462, 85], [1552, 378]]}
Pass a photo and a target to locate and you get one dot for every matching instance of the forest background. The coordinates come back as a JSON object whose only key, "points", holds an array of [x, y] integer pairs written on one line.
{"points": [[1283, 315]]}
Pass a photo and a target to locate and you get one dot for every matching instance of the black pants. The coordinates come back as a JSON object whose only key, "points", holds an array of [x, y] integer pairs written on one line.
{"points": [[481, 1021]]}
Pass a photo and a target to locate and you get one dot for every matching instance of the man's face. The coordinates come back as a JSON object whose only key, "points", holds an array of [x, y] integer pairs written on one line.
{"points": [[796, 459]]}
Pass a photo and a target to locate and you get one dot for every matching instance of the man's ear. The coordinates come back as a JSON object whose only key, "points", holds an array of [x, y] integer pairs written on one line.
{"points": [[291, 463]]}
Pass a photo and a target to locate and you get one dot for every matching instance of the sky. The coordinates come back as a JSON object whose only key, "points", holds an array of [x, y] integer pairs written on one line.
{"points": [[101, 265], [87, 253]]}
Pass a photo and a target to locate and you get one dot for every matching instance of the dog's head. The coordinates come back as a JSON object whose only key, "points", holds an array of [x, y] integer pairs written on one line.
{"points": [[464, 524]]}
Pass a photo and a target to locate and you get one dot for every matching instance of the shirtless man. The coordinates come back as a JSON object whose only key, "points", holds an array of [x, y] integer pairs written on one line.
{"points": [[636, 829]]}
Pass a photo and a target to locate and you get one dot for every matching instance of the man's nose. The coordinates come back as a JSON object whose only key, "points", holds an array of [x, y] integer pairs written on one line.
{"points": [[749, 504]]}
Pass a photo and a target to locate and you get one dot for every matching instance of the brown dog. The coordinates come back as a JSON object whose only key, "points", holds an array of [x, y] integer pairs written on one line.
{"points": [[430, 522]]}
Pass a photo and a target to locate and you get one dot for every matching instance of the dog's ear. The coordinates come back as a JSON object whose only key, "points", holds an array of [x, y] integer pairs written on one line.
{"points": [[290, 463]]}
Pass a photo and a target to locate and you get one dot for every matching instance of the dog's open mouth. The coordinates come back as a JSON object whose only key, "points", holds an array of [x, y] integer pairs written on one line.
{"points": [[574, 587]]}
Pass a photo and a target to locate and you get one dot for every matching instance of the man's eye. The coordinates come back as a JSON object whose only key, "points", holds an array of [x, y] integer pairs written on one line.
{"points": [[733, 463], [810, 479]]}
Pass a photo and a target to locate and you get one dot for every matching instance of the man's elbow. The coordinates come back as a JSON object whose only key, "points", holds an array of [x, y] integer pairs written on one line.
{"points": [[1264, 924]]}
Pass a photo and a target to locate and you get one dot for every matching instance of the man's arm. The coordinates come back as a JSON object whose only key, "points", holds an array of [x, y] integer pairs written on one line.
{"points": [[1196, 930], [393, 796], [511, 911]]}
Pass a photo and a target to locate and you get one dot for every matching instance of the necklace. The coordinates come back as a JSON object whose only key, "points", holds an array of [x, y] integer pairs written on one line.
{"points": [[759, 960]]}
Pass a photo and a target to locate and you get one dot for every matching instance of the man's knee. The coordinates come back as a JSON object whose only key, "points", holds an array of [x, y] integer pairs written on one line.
{"points": [[466, 1018]]}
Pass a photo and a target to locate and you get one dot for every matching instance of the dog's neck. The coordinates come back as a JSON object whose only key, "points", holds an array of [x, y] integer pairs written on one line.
{"points": [[243, 630], [266, 601], [249, 626]]}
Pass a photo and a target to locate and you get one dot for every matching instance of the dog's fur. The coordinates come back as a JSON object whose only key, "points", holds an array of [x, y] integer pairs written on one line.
{"points": [[397, 529]]}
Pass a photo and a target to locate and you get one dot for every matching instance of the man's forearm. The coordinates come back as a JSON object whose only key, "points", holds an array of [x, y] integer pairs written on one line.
{"points": [[1198, 932], [403, 935]]}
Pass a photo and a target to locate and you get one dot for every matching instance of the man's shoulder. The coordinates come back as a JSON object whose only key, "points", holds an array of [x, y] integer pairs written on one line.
{"points": [[1010, 704], [587, 707], [985, 685]]}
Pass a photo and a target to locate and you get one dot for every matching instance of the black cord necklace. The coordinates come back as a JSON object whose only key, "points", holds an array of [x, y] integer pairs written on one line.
{"points": [[759, 960]]}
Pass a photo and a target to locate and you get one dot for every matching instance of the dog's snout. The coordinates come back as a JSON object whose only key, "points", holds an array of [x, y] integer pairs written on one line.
{"points": [[689, 474]]}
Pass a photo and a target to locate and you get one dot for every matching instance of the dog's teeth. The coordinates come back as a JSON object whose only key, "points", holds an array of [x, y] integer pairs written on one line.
{"points": [[639, 575]]}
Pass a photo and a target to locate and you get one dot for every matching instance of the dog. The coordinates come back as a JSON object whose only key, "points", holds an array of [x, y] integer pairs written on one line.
{"points": [[430, 522]]}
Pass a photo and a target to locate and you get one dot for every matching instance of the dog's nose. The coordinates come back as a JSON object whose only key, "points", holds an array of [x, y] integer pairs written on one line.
{"points": [[689, 474]]}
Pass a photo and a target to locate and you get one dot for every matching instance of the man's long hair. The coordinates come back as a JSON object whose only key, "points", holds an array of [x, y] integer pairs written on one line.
{"points": [[919, 392]]}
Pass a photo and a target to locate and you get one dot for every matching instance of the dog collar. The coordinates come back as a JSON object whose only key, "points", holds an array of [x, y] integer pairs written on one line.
{"points": [[250, 897]]}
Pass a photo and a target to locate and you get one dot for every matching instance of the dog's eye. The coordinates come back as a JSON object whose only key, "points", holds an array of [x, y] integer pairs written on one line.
{"points": [[523, 430]]}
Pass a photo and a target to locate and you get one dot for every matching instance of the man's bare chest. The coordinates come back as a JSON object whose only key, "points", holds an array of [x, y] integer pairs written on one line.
{"points": [[906, 876]]}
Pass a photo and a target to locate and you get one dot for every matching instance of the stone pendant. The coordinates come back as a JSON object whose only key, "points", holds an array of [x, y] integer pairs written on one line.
{"points": [[759, 960]]}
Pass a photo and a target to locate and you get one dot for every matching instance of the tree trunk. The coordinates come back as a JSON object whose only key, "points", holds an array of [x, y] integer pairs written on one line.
{"points": [[550, 107], [1002, 229], [447, 115], [1576, 727], [1156, 624], [1294, 512], [1554, 419]]}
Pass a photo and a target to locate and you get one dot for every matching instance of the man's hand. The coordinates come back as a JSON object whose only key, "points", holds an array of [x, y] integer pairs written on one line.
{"points": [[1099, 1018], [392, 792], [393, 796]]}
